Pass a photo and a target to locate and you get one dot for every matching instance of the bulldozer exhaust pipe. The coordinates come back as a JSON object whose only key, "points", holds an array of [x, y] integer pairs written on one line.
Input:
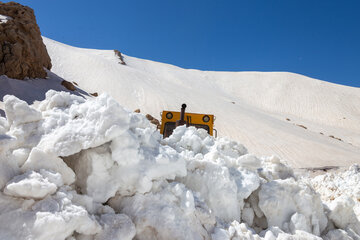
{"points": [[181, 121], [182, 114]]}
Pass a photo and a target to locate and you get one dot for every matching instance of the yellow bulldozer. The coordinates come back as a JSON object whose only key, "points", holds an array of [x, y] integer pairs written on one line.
{"points": [[171, 119]]}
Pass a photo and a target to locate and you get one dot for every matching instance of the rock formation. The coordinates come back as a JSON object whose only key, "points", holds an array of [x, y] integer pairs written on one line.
{"points": [[68, 85], [120, 56], [153, 120], [22, 51]]}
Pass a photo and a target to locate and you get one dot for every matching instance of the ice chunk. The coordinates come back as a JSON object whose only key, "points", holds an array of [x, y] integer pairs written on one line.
{"points": [[82, 125], [274, 168], [33, 185], [20, 155], [191, 139], [8, 167], [4, 125], [249, 161], [214, 172], [342, 214], [280, 199], [59, 100], [164, 214], [339, 234], [130, 168], [198, 141], [54, 217], [299, 222], [215, 185], [116, 226], [236, 230], [248, 215], [40, 160], [223, 189], [19, 112], [6, 142]]}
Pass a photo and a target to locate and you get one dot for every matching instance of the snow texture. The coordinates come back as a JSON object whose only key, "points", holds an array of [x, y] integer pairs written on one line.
{"points": [[74, 168], [34, 185], [334, 185]]}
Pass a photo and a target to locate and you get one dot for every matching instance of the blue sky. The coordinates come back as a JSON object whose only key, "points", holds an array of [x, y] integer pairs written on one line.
{"points": [[317, 38]]}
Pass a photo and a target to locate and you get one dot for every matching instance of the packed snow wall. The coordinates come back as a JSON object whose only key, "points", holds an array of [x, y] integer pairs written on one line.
{"points": [[80, 169]]}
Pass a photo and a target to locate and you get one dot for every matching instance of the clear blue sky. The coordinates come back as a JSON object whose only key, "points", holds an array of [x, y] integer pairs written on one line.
{"points": [[317, 38]]}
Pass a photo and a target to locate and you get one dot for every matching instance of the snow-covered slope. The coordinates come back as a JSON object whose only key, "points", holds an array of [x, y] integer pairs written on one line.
{"points": [[295, 117]]}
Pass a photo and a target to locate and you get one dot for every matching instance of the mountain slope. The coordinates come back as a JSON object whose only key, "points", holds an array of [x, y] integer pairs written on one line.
{"points": [[270, 113]]}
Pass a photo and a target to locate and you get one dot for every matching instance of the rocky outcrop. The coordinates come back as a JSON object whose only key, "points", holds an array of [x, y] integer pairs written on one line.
{"points": [[121, 58], [68, 85], [22, 51], [153, 120]]}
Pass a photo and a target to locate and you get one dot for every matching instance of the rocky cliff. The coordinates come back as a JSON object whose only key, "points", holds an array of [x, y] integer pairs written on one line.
{"points": [[22, 51]]}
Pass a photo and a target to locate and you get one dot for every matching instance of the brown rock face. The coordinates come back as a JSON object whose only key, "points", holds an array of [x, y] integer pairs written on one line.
{"points": [[22, 51], [68, 85], [153, 120], [121, 58]]}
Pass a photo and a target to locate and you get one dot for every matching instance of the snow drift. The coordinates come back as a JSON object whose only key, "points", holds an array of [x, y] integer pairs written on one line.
{"points": [[90, 169]]}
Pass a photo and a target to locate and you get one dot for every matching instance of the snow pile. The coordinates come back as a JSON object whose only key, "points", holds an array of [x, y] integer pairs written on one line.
{"points": [[89, 169], [341, 193]]}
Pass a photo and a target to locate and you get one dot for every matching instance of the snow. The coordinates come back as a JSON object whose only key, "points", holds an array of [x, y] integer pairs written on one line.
{"points": [[32, 90], [14, 108], [54, 217], [33, 185], [340, 190], [75, 168], [116, 226], [168, 213], [4, 19], [250, 107], [342, 214], [279, 206], [80, 126], [38, 160]]}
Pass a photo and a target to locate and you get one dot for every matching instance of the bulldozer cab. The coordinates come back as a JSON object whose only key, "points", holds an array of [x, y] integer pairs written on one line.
{"points": [[171, 119]]}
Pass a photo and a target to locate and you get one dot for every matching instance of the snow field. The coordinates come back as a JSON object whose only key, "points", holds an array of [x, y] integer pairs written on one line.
{"points": [[81, 169]]}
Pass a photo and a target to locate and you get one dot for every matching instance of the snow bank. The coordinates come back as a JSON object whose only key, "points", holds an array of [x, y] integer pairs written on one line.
{"points": [[89, 169]]}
